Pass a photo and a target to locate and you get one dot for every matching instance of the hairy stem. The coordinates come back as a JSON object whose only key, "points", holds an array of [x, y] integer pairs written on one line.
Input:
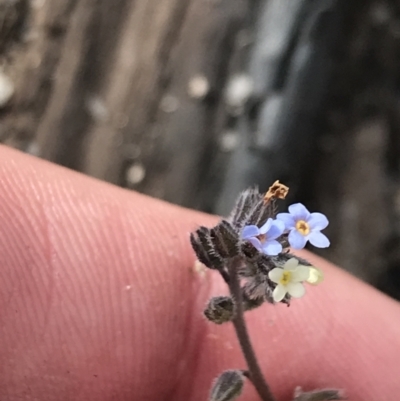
{"points": [[224, 275], [255, 373]]}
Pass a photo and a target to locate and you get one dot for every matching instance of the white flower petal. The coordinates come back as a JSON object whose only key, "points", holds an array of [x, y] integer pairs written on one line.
{"points": [[296, 290], [302, 273], [279, 293], [291, 264], [276, 274], [316, 275]]}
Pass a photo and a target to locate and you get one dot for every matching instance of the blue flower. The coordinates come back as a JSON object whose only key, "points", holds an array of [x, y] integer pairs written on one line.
{"points": [[264, 238], [304, 226]]}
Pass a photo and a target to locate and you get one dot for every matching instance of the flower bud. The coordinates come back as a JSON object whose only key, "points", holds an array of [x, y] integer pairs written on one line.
{"points": [[225, 240], [228, 386], [316, 276], [220, 310], [204, 248]]}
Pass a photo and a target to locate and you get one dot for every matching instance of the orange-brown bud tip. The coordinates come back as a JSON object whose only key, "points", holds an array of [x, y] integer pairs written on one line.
{"points": [[276, 191]]}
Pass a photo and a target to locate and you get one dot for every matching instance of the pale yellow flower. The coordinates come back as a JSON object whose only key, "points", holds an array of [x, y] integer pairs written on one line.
{"points": [[289, 279]]}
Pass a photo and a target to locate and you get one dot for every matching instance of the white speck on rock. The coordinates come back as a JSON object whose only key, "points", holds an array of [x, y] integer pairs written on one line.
{"points": [[229, 141], [97, 109], [238, 91], [198, 87], [135, 174]]}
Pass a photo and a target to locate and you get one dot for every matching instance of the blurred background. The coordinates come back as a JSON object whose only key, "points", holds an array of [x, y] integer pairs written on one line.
{"points": [[192, 101]]}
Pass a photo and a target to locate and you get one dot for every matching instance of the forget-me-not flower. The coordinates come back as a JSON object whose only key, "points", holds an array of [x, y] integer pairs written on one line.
{"points": [[304, 226], [289, 279], [264, 238]]}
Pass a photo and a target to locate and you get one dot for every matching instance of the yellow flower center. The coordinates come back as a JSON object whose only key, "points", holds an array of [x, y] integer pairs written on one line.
{"points": [[286, 278], [262, 238], [302, 227]]}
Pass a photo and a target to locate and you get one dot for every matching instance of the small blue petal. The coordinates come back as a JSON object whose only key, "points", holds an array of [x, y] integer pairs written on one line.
{"points": [[299, 211], [276, 230], [250, 231], [318, 239], [272, 247], [288, 220], [264, 229], [317, 221], [297, 240], [256, 243]]}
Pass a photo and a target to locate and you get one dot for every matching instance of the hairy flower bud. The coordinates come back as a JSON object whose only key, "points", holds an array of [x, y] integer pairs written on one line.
{"points": [[250, 208], [205, 249], [228, 386], [220, 310], [225, 240]]}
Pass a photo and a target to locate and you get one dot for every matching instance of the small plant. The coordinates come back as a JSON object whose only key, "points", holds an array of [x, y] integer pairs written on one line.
{"points": [[250, 250]]}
